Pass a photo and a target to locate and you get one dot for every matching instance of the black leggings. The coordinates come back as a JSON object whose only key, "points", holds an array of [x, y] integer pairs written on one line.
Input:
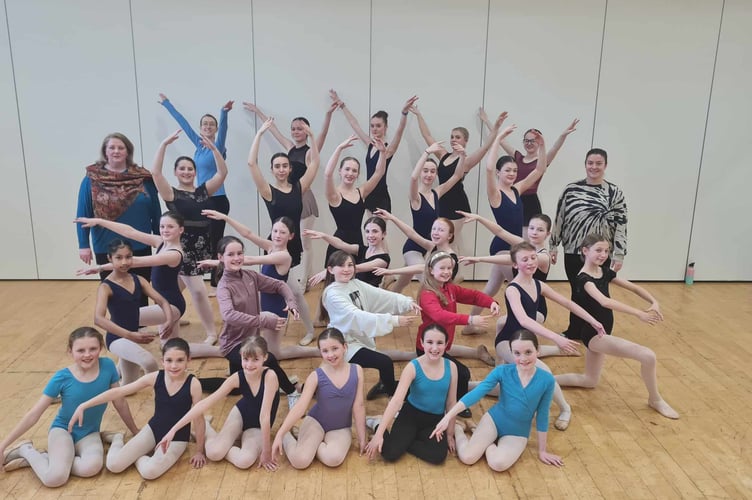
{"points": [[211, 384], [383, 363], [217, 230], [463, 374], [410, 434]]}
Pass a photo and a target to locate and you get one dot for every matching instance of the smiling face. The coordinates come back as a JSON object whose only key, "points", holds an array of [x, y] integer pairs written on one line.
{"points": [[441, 233], [525, 354], [281, 234], [232, 257], [507, 174], [85, 352], [169, 229], [116, 153], [343, 273], [597, 253], [458, 137], [185, 171], [526, 262], [253, 363], [175, 362], [537, 231], [442, 269], [332, 351], [297, 131], [595, 168], [374, 234], [122, 259], [349, 171], [434, 343], [208, 126], [529, 142], [428, 173]]}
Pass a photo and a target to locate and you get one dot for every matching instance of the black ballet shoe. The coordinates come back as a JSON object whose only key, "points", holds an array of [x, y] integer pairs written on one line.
{"points": [[377, 391], [466, 413]]}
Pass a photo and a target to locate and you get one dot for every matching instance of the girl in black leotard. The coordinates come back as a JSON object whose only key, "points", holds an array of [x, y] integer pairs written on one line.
{"points": [[592, 294], [286, 199], [379, 197]]}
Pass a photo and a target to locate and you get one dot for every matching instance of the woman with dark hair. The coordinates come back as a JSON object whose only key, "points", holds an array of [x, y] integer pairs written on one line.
{"points": [[116, 189]]}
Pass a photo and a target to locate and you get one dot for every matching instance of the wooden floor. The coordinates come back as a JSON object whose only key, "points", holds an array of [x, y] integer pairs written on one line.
{"points": [[616, 447]]}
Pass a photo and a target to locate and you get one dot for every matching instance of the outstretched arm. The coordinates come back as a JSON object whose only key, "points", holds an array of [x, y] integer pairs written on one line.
{"points": [[262, 185], [640, 292], [286, 143], [365, 138], [332, 195], [424, 130], [400, 128], [515, 303], [313, 160], [213, 184], [560, 141], [408, 230], [115, 393], [163, 187], [475, 157], [492, 226], [189, 132], [650, 316], [27, 422], [550, 293], [242, 229], [332, 240], [125, 230]]}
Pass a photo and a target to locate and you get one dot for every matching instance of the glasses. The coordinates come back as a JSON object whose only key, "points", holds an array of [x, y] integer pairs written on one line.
{"points": [[528, 141]]}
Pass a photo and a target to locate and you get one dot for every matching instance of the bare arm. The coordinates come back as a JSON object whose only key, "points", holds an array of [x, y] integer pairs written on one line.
{"points": [[458, 174], [400, 128], [153, 240], [117, 392], [550, 293], [313, 161], [424, 130], [122, 408], [408, 230], [560, 141], [262, 185], [540, 167], [332, 195], [163, 187], [365, 138], [286, 143], [213, 184], [492, 226], [27, 422], [515, 303], [325, 125], [475, 157], [650, 316], [271, 386], [102, 321], [368, 187], [332, 240]]}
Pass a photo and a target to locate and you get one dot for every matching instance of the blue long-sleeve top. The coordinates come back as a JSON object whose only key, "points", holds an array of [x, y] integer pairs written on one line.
{"points": [[206, 167], [517, 405], [143, 214]]}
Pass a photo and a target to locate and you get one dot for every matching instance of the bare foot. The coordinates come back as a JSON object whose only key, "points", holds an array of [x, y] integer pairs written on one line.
{"points": [[664, 409]]}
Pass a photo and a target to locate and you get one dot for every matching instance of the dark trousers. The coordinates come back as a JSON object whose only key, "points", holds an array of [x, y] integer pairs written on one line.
{"points": [[217, 230], [383, 363], [410, 433]]}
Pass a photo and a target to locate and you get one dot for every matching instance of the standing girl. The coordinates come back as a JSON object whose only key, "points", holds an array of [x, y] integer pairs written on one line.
{"points": [[189, 200], [504, 196], [438, 299], [275, 263], [165, 267], [372, 256], [78, 452], [379, 197], [299, 154], [592, 294], [250, 420], [240, 307], [522, 297], [503, 432], [285, 198], [326, 432], [362, 312], [429, 383], [205, 161], [175, 391]]}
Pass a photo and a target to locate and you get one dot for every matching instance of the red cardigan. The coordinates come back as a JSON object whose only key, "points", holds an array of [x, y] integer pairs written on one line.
{"points": [[447, 316]]}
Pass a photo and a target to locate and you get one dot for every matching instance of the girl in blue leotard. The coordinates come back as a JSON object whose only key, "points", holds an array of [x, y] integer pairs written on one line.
{"points": [[250, 420], [326, 432], [79, 453], [503, 432], [175, 391]]}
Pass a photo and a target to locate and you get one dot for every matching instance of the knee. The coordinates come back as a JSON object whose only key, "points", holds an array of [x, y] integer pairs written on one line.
{"points": [[436, 458], [92, 467], [213, 453], [115, 466], [299, 462], [647, 356], [56, 479], [467, 458], [245, 461], [499, 464], [149, 473], [333, 460]]}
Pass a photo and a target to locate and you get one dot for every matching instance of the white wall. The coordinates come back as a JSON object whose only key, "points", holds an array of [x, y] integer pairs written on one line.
{"points": [[638, 74]]}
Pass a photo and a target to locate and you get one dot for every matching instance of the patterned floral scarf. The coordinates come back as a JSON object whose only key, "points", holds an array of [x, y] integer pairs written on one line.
{"points": [[113, 192]]}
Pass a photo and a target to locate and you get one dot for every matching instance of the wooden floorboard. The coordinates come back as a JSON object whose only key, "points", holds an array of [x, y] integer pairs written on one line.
{"points": [[616, 447]]}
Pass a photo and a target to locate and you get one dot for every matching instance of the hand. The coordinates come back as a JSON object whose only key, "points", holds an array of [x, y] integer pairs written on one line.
{"points": [[267, 461], [348, 142], [538, 139], [228, 105], [451, 443], [508, 130], [76, 419], [550, 459], [249, 106], [406, 320], [657, 308], [408, 104], [142, 337], [438, 431], [162, 98], [481, 321], [374, 446], [332, 107], [469, 216], [165, 330], [435, 148], [277, 445], [87, 222], [198, 460], [307, 130], [317, 278], [414, 110], [554, 256], [468, 261], [571, 128], [495, 309], [483, 116], [165, 443], [459, 149], [335, 98], [380, 212], [87, 271], [598, 327], [267, 125], [281, 322], [207, 264], [381, 271], [379, 144], [207, 143], [500, 119], [171, 138], [615, 265], [213, 214], [85, 255], [414, 307], [567, 345], [313, 234], [294, 312], [649, 317]]}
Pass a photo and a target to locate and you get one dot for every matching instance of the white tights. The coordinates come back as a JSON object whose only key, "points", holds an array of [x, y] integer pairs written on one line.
{"points": [[411, 258], [121, 455], [63, 458], [500, 454], [200, 300], [499, 274], [330, 448], [221, 445], [296, 280]]}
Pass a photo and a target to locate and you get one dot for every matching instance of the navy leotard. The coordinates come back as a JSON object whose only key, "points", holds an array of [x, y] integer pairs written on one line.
{"points": [[249, 405], [273, 302], [347, 217], [379, 197], [164, 279], [456, 198], [169, 409], [530, 306], [123, 307], [290, 205], [509, 216], [423, 220]]}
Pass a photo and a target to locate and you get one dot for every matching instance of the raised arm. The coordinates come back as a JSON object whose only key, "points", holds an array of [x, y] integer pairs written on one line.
{"points": [[213, 184], [286, 143], [458, 174], [313, 160], [492, 189], [476, 156], [368, 187], [222, 128], [400, 127], [492, 226], [332, 195], [560, 141], [187, 129], [124, 230], [242, 229], [540, 167], [405, 228], [332, 240], [365, 138], [262, 185], [321, 139], [163, 187], [424, 130]]}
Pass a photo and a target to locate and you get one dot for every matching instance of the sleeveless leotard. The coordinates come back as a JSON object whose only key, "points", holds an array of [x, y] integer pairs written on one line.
{"points": [[290, 205], [347, 217], [249, 405], [169, 409], [530, 306], [333, 408], [530, 202], [423, 220], [273, 302], [509, 216], [164, 279], [123, 307], [455, 198], [592, 306], [298, 168], [379, 197], [427, 394]]}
